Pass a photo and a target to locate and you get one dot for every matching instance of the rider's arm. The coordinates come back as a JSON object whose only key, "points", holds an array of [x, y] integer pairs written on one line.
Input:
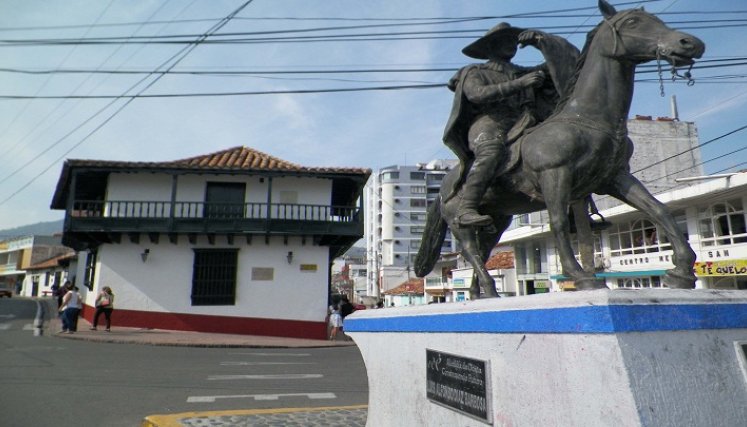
{"points": [[478, 91]]}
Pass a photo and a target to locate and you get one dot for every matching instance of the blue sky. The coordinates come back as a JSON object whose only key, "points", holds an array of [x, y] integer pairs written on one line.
{"points": [[359, 129]]}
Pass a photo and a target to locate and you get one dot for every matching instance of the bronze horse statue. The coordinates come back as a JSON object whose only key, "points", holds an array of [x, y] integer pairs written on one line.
{"points": [[582, 148]]}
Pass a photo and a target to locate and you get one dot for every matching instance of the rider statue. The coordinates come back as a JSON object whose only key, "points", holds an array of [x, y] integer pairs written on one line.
{"points": [[494, 103]]}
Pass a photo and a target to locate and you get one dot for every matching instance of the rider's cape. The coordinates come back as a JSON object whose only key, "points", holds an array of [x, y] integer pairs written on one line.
{"points": [[560, 57]]}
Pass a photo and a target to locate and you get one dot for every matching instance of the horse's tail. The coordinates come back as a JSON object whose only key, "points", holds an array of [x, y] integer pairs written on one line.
{"points": [[433, 238]]}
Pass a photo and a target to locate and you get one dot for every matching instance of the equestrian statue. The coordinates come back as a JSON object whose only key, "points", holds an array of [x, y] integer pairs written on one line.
{"points": [[548, 137]]}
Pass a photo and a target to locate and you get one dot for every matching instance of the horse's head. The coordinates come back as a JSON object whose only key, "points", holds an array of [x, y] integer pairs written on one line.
{"points": [[639, 36]]}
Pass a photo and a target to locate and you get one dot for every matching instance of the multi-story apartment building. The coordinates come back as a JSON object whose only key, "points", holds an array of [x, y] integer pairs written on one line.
{"points": [[397, 198]]}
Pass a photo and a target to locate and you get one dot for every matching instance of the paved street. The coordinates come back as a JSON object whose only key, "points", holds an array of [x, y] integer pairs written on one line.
{"points": [[55, 380]]}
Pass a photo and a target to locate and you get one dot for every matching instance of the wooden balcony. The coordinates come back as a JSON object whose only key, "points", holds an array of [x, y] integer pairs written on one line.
{"points": [[213, 218]]}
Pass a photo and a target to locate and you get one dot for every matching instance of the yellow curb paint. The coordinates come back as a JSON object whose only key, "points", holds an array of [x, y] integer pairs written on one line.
{"points": [[172, 420]]}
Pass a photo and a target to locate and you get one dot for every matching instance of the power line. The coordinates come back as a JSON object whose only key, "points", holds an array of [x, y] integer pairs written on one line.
{"points": [[718, 23], [253, 37], [140, 95], [710, 141], [80, 125], [173, 61], [641, 69], [69, 110], [407, 20]]}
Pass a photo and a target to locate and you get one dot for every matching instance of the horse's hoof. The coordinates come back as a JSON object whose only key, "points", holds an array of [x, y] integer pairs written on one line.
{"points": [[675, 280], [590, 284]]}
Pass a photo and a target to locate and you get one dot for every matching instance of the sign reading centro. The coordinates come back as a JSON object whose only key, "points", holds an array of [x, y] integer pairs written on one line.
{"points": [[735, 267]]}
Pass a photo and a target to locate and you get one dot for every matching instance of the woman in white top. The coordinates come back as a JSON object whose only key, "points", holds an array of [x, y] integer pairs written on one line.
{"points": [[335, 320], [71, 305]]}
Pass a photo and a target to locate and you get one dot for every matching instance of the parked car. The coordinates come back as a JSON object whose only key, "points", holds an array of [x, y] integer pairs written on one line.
{"points": [[359, 306], [5, 291]]}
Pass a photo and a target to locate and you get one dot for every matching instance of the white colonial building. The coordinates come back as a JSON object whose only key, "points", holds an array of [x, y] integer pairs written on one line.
{"points": [[235, 241]]}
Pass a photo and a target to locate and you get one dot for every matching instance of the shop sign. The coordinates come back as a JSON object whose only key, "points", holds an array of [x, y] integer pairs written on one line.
{"points": [[458, 383], [735, 267], [540, 284]]}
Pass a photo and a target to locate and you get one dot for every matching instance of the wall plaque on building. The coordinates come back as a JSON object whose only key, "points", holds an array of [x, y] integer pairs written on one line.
{"points": [[459, 383], [263, 273], [308, 268]]}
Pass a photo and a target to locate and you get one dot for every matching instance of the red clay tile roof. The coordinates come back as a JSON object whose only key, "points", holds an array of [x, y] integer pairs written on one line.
{"points": [[501, 261], [52, 262], [410, 287], [236, 158]]}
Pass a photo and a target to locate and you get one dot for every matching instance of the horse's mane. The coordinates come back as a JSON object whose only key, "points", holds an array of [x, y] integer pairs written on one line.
{"points": [[571, 83]]}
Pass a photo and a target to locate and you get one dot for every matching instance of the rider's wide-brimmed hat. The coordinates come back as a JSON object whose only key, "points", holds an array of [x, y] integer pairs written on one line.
{"points": [[502, 32]]}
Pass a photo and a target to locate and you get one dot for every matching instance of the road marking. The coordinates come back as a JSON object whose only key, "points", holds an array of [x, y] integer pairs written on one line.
{"points": [[211, 399], [28, 327], [8, 316], [36, 348], [5, 326], [262, 363], [265, 377], [275, 354]]}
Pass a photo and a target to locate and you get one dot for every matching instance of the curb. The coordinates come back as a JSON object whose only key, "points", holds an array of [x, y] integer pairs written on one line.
{"points": [[114, 340], [323, 416]]}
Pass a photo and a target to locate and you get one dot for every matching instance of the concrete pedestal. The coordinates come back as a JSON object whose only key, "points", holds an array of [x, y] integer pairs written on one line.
{"points": [[595, 358]]}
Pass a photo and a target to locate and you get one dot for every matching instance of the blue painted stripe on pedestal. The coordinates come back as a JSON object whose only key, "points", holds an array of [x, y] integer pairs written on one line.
{"points": [[581, 320]]}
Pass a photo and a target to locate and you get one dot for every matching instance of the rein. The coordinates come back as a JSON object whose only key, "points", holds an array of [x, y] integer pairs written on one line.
{"points": [[675, 74], [659, 54]]}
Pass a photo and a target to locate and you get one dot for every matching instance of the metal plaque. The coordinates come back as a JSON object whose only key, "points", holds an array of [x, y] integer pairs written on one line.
{"points": [[263, 273], [459, 383], [741, 348]]}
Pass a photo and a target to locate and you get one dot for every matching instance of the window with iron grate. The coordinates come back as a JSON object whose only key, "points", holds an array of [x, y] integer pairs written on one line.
{"points": [[214, 276]]}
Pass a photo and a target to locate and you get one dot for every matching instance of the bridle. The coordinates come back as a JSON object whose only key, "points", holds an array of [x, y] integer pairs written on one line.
{"points": [[660, 53]]}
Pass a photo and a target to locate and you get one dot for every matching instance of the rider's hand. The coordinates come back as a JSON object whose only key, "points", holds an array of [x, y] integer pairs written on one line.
{"points": [[530, 37], [533, 79]]}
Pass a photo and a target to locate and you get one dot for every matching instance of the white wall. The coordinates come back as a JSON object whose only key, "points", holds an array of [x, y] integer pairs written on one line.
{"points": [[163, 283], [157, 187], [130, 187]]}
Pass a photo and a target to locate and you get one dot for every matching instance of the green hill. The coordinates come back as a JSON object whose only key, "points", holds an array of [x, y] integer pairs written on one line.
{"points": [[39, 229]]}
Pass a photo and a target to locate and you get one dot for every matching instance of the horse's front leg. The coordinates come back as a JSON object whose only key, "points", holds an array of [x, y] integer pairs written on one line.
{"points": [[556, 188], [629, 190]]}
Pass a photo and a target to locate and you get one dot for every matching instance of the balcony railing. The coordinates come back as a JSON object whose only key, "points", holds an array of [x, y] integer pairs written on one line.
{"points": [[162, 216]]}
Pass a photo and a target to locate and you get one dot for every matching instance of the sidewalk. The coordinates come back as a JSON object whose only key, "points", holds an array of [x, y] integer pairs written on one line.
{"points": [[186, 338], [346, 416], [189, 339]]}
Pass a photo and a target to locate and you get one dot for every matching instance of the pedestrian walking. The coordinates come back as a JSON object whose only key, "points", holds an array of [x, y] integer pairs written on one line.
{"points": [[105, 305], [335, 321], [70, 309]]}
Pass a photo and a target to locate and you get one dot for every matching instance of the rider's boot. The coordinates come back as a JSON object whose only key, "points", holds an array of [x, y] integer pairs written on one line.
{"points": [[479, 177]]}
